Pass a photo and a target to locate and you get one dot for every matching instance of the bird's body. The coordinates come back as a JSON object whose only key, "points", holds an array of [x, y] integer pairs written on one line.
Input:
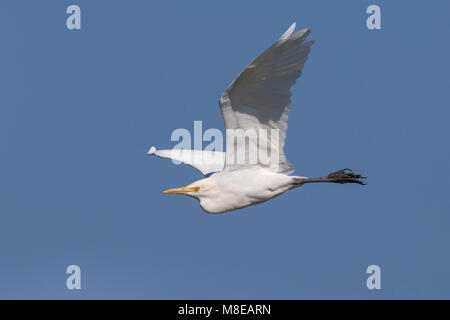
{"points": [[255, 106], [236, 189]]}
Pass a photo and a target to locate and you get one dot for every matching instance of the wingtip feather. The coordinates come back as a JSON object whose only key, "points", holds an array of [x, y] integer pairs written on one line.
{"points": [[288, 31], [152, 150]]}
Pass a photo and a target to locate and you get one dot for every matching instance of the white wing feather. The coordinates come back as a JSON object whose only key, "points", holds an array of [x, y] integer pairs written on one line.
{"points": [[204, 161], [260, 96]]}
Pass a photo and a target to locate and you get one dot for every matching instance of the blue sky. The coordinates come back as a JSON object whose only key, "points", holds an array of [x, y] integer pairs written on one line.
{"points": [[79, 109]]}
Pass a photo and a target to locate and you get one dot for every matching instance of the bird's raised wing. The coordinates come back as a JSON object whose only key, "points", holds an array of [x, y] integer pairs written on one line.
{"points": [[260, 97], [204, 161]]}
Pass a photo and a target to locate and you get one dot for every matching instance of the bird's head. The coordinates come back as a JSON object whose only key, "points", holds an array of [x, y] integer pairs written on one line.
{"points": [[196, 190]]}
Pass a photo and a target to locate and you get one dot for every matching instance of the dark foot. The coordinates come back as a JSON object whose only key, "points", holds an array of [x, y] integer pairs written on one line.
{"points": [[345, 176]]}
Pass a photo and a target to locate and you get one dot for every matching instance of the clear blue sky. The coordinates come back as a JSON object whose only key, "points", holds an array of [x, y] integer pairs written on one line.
{"points": [[79, 110]]}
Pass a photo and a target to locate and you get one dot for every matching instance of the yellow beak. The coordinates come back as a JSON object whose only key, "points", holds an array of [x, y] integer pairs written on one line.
{"points": [[182, 190]]}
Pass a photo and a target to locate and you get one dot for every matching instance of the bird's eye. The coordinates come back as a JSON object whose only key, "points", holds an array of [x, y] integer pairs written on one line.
{"points": [[196, 189]]}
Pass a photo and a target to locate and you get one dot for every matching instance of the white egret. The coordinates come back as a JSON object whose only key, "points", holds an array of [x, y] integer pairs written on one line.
{"points": [[259, 98]]}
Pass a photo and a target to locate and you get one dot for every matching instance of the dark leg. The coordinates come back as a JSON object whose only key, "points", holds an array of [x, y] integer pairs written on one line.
{"points": [[341, 176]]}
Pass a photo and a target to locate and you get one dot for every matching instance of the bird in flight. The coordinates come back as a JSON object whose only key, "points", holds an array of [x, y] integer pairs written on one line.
{"points": [[258, 99]]}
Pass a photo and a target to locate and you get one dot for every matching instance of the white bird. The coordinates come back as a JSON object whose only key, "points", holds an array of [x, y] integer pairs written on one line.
{"points": [[259, 98]]}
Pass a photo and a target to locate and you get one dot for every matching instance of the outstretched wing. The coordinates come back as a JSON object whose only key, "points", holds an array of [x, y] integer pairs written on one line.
{"points": [[260, 97], [204, 161]]}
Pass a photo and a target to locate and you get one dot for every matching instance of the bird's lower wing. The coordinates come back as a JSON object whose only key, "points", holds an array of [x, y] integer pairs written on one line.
{"points": [[204, 161]]}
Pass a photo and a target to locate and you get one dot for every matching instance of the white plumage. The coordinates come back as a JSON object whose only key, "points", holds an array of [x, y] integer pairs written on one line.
{"points": [[258, 99]]}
